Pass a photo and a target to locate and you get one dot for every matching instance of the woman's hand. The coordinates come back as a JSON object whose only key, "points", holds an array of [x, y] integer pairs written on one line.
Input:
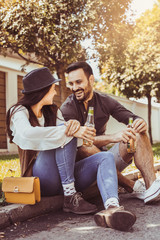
{"points": [[86, 133], [72, 127]]}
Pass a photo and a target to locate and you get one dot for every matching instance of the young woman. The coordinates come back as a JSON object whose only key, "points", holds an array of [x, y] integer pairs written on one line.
{"points": [[47, 148]]}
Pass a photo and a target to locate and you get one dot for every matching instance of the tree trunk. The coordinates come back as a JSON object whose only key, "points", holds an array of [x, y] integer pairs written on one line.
{"points": [[62, 84], [149, 117]]}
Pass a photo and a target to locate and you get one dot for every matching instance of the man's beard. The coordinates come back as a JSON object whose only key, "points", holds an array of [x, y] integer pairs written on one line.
{"points": [[83, 96]]}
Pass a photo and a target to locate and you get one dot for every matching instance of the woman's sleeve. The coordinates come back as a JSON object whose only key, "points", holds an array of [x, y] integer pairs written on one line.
{"points": [[60, 120], [36, 138]]}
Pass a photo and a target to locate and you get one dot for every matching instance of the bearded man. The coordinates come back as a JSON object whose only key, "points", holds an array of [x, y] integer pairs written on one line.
{"points": [[80, 80]]}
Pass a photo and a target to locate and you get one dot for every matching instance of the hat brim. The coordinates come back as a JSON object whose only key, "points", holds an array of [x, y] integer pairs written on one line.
{"points": [[38, 89]]}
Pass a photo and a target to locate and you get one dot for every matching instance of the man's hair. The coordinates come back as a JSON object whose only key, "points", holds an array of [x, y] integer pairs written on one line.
{"points": [[85, 66]]}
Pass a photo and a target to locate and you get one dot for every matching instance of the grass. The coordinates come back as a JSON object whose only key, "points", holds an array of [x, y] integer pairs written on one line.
{"points": [[156, 149], [10, 166]]}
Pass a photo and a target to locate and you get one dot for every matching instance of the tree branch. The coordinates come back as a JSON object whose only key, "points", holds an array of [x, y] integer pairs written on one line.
{"points": [[28, 60]]}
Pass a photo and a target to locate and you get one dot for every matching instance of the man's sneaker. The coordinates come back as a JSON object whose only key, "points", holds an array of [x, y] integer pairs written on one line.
{"points": [[116, 218], [76, 204], [152, 194], [139, 190]]}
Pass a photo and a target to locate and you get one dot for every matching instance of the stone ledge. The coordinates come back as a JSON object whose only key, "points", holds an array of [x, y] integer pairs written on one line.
{"points": [[20, 212]]}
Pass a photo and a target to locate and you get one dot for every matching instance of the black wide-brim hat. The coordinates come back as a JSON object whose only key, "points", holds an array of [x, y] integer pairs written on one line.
{"points": [[38, 79]]}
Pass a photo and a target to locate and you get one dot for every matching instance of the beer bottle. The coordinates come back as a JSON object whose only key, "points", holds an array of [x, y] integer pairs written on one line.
{"points": [[89, 123], [131, 145]]}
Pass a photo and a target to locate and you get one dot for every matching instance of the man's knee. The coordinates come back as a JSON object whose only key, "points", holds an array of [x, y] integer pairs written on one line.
{"points": [[142, 138], [143, 145]]}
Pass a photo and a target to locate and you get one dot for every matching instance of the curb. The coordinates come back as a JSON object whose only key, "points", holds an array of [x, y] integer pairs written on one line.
{"points": [[20, 212]]}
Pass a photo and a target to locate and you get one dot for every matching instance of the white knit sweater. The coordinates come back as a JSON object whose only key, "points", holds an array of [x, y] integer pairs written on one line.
{"points": [[38, 138]]}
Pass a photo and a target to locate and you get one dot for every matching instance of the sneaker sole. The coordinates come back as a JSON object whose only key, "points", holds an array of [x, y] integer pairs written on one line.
{"points": [[85, 212], [120, 220], [136, 195], [153, 198]]}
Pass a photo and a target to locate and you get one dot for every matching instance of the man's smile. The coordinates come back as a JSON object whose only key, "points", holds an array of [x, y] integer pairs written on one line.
{"points": [[79, 93]]}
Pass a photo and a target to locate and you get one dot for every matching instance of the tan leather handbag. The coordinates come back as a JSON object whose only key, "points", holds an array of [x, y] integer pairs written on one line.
{"points": [[25, 190]]}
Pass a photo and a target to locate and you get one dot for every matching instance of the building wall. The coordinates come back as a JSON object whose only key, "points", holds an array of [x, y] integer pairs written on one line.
{"points": [[20, 86], [3, 138], [141, 110]]}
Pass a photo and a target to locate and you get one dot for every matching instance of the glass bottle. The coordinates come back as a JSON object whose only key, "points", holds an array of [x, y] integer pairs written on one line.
{"points": [[131, 145], [89, 123]]}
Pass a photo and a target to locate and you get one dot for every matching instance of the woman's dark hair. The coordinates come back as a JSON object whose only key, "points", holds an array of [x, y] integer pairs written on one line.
{"points": [[85, 66], [28, 100]]}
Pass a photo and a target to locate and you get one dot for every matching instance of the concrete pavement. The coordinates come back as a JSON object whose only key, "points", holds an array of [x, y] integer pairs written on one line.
{"points": [[67, 226]]}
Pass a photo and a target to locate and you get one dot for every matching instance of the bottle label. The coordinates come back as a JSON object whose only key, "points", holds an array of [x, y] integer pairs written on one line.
{"points": [[131, 148], [89, 123]]}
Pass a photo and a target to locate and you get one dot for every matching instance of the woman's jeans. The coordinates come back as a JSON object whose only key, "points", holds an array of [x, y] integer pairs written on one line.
{"points": [[57, 166]]}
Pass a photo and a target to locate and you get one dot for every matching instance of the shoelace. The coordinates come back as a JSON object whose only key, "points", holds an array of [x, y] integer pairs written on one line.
{"points": [[75, 198]]}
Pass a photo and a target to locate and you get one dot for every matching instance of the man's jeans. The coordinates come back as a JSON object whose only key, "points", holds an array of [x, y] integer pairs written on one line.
{"points": [[57, 166]]}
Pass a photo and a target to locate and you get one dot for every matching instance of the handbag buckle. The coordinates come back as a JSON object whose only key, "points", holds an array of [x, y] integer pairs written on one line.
{"points": [[16, 189]]}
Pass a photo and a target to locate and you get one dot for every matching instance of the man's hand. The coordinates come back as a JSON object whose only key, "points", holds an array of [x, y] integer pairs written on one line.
{"points": [[86, 133], [72, 127], [125, 135], [139, 125]]}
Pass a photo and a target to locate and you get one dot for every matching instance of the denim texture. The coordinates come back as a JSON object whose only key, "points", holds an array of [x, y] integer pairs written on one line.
{"points": [[57, 166]]}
